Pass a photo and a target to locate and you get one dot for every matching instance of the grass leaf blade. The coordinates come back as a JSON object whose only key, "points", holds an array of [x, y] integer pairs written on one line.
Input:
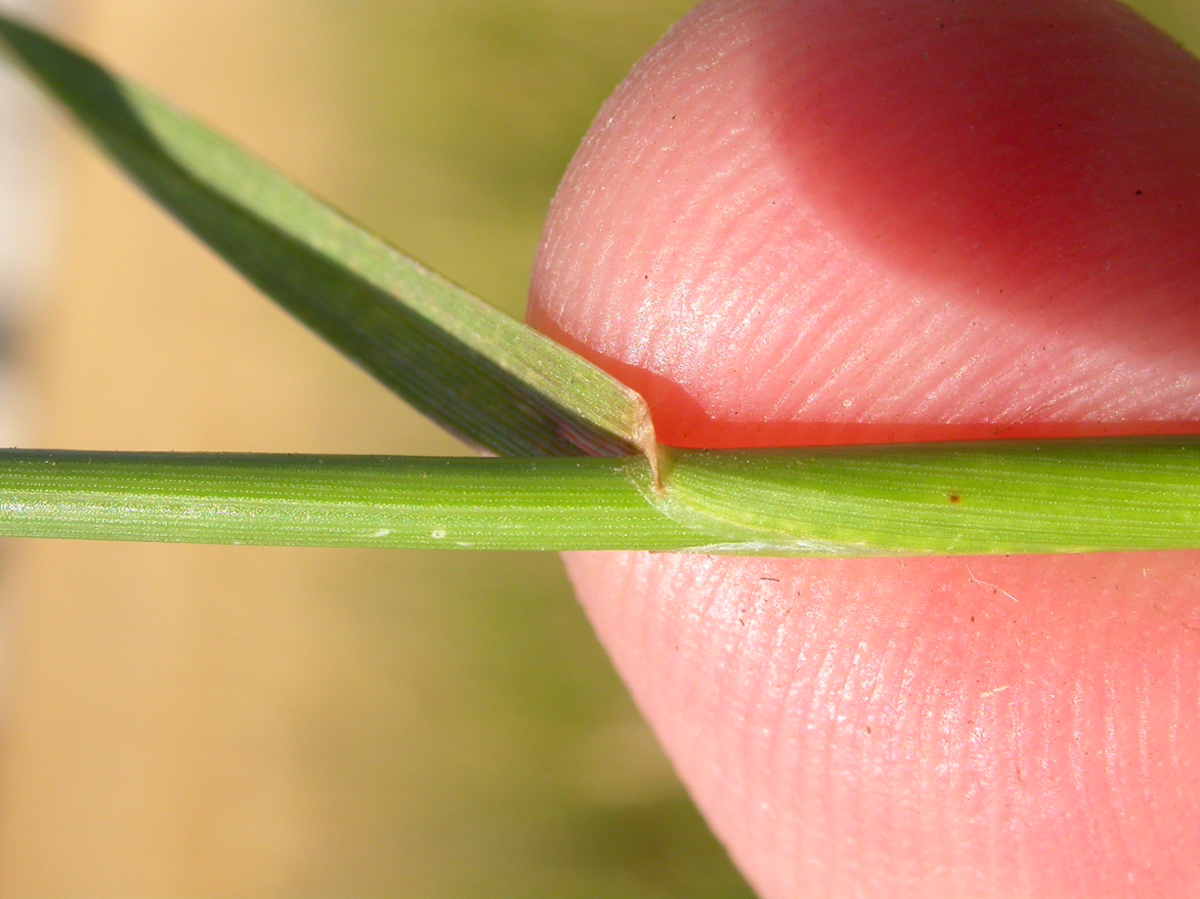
{"points": [[477, 372]]}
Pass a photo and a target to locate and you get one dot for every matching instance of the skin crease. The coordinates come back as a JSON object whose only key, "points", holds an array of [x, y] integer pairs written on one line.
{"points": [[808, 221]]}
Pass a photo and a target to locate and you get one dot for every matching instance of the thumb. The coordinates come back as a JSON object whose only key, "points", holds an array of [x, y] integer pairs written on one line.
{"points": [[809, 221]]}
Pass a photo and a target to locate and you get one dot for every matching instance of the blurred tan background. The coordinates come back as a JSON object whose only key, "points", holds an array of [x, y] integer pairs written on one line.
{"points": [[200, 721]]}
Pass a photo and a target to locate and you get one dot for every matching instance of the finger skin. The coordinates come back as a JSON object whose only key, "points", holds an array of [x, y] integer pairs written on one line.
{"points": [[876, 220]]}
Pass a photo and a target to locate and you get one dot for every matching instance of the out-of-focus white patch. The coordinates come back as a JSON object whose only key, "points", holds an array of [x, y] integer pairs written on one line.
{"points": [[28, 215]]}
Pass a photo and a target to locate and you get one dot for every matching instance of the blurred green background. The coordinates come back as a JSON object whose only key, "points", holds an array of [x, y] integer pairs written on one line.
{"points": [[208, 721]]}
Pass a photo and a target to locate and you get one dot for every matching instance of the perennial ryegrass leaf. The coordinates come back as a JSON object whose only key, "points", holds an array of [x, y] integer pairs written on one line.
{"points": [[506, 389]]}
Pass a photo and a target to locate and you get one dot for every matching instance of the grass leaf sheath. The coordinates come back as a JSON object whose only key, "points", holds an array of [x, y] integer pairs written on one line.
{"points": [[367, 501]]}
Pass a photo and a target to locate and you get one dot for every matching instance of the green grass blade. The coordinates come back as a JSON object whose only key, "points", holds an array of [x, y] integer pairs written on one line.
{"points": [[976, 498], [369, 501], [474, 370]]}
